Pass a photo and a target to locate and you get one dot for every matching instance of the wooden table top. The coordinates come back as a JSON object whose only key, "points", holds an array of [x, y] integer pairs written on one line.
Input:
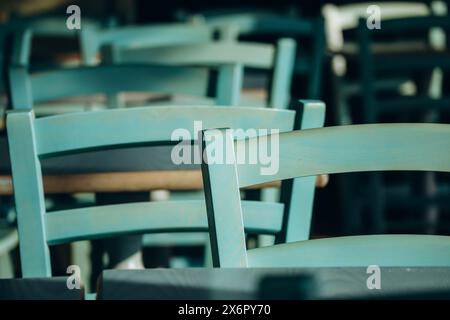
{"points": [[173, 180], [245, 283]]}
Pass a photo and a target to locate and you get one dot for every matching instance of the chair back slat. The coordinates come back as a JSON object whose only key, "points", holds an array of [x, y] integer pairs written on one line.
{"points": [[358, 148], [152, 217], [93, 39], [82, 131], [213, 54]]}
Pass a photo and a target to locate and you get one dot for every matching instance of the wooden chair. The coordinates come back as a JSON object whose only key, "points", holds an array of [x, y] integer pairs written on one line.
{"points": [[308, 63], [429, 102], [340, 23], [277, 61], [32, 140], [28, 90], [372, 147], [46, 87]]}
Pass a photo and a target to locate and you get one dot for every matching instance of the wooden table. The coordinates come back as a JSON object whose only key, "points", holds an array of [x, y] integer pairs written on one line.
{"points": [[174, 180]]}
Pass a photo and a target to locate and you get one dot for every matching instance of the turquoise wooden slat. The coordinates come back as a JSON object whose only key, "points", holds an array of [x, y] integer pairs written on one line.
{"points": [[356, 148], [253, 55], [226, 225], [152, 217], [30, 205], [283, 70], [21, 47], [70, 82], [20, 88], [72, 132], [299, 206], [357, 251], [30, 139], [229, 84], [93, 39], [324, 151]]}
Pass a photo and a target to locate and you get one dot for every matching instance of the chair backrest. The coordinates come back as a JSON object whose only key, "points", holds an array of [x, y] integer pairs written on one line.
{"points": [[28, 89], [187, 44], [92, 40], [357, 148], [423, 58], [309, 63], [279, 60], [345, 17], [32, 139]]}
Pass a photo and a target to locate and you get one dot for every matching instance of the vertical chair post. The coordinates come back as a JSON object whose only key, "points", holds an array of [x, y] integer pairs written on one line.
{"points": [[300, 191], [229, 84], [29, 195], [283, 70], [21, 96], [89, 45], [223, 202], [21, 48]]}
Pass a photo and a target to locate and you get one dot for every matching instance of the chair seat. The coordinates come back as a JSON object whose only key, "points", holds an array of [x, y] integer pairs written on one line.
{"points": [[357, 251]]}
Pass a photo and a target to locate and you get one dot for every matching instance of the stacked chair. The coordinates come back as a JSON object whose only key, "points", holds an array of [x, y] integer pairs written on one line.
{"points": [[351, 68], [90, 145]]}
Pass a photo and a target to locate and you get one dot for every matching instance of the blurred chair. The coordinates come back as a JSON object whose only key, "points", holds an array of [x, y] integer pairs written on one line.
{"points": [[341, 22], [194, 44], [93, 40], [422, 147], [426, 64], [276, 61], [267, 26], [31, 140], [27, 90]]}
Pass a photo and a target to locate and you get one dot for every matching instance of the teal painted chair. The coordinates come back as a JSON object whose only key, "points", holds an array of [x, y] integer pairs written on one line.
{"points": [[21, 50], [33, 139], [228, 83], [231, 56], [30, 90], [425, 62], [94, 40], [27, 89], [234, 59], [308, 64], [358, 148]]}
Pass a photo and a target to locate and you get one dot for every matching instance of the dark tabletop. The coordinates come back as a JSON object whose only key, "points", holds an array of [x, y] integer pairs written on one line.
{"points": [[322, 283]]}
